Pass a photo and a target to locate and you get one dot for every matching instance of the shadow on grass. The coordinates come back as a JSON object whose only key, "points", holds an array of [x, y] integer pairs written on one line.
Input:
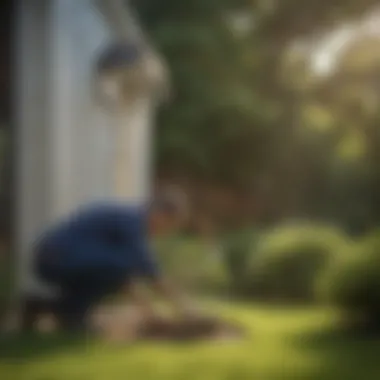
{"points": [[340, 353], [29, 346]]}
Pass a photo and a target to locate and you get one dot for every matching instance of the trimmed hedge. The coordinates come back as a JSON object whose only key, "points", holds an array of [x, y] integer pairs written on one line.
{"points": [[289, 261]]}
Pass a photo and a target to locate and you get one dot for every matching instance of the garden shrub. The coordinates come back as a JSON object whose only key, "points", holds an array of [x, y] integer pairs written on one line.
{"points": [[352, 282], [290, 259]]}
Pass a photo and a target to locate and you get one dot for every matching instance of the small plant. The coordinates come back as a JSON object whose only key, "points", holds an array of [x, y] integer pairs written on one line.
{"points": [[238, 250], [352, 283], [196, 264]]}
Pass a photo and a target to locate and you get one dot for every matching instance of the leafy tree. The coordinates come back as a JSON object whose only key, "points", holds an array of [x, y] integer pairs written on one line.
{"points": [[243, 96]]}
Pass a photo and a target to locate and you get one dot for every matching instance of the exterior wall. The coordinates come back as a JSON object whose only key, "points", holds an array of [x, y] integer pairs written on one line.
{"points": [[82, 145], [32, 185], [133, 150], [70, 149]]}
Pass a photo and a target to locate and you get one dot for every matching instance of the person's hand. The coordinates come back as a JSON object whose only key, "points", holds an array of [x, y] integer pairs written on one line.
{"points": [[182, 306], [144, 304], [190, 313], [148, 313]]}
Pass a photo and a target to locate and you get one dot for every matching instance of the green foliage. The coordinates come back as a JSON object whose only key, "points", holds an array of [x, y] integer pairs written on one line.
{"points": [[352, 283], [238, 250], [5, 282], [193, 264], [239, 87], [289, 261]]}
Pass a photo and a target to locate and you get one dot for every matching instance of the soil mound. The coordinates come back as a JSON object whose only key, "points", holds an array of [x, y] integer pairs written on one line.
{"points": [[128, 325]]}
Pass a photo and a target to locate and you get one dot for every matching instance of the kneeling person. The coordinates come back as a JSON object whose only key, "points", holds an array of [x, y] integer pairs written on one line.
{"points": [[104, 249]]}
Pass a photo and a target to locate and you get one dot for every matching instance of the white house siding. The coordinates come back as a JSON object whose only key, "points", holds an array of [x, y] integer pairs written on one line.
{"points": [[134, 150], [83, 149], [33, 111]]}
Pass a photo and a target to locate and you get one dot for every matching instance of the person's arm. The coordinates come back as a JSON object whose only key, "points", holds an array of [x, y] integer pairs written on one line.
{"points": [[150, 270], [147, 267]]}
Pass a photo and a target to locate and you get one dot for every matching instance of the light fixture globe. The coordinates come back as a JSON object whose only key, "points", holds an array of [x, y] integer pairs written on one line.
{"points": [[118, 55], [127, 71]]}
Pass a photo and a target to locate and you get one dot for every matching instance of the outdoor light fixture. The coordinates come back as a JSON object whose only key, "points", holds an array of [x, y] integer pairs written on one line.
{"points": [[127, 71]]}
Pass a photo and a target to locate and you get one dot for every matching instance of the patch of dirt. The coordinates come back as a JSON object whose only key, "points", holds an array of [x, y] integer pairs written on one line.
{"points": [[127, 325]]}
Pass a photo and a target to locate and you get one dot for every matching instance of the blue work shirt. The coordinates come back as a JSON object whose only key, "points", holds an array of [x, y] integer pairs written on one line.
{"points": [[101, 236]]}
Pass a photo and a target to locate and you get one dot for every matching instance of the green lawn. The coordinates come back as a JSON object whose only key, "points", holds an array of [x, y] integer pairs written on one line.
{"points": [[282, 344]]}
